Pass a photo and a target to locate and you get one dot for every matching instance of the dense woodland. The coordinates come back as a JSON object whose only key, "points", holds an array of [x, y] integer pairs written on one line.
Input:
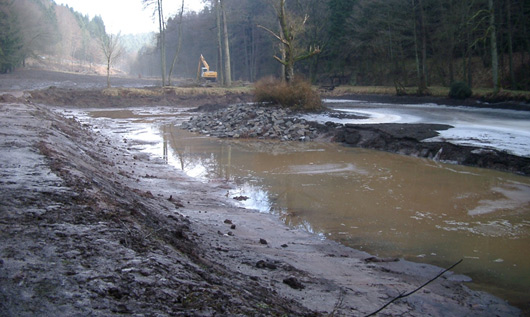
{"points": [[43, 33], [360, 42]]}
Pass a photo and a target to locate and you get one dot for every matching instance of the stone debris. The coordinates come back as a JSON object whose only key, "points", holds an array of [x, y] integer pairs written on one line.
{"points": [[253, 121]]}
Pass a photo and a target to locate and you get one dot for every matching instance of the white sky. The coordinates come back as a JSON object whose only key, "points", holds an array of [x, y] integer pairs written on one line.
{"points": [[128, 16]]}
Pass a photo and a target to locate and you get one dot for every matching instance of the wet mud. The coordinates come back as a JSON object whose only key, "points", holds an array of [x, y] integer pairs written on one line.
{"points": [[90, 227], [408, 139]]}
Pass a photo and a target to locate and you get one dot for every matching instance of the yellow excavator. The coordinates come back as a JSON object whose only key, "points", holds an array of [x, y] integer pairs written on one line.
{"points": [[204, 72]]}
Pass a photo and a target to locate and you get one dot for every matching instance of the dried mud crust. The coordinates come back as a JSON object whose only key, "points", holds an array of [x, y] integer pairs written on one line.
{"points": [[89, 228]]}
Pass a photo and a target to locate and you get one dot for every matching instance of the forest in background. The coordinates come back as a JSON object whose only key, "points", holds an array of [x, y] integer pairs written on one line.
{"points": [[40, 33], [397, 43]]}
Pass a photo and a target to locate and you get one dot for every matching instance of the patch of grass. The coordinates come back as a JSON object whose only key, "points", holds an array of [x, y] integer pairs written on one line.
{"points": [[436, 91], [298, 94], [385, 90], [178, 91]]}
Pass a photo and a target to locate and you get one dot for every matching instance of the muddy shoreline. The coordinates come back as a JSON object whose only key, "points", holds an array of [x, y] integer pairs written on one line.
{"points": [[90, 227]]}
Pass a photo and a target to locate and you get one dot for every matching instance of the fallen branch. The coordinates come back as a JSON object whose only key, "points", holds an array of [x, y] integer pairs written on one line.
{"points": [[403, 295]]}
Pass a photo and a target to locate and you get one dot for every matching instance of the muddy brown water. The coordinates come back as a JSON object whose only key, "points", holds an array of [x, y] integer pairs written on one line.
{"points": [[386, 204]]}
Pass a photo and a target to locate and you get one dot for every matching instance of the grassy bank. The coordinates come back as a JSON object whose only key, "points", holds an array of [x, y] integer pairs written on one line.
{"points": [[436, 91], [177, 91], [486, 94]]}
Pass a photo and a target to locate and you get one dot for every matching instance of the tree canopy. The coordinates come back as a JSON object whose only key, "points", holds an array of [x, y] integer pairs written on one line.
{"points": [[406, 43], [366, 42]]}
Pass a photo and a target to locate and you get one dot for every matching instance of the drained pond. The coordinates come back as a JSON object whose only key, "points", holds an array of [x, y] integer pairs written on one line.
{"points": [[386, 204]]}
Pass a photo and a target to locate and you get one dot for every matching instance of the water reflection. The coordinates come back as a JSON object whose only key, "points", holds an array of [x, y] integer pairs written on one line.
{"points": [[387, 204]]}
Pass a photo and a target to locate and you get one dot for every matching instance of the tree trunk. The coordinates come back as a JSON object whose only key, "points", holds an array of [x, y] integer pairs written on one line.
{"points": [[108, 72], [162, 28], [417, 58], [283, 55], [494, 56], [219, 43], [468, 68], [287, 53], [286, 37], [525, 32], [422, 87], [179, 44], [513, 84], [226, 61]]}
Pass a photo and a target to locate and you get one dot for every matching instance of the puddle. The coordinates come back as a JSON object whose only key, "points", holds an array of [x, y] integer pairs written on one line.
{"points": [[386, 204]]}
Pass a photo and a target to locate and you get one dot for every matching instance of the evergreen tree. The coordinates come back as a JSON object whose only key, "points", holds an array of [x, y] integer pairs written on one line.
{"points": [[10, 39], [339, 12]]}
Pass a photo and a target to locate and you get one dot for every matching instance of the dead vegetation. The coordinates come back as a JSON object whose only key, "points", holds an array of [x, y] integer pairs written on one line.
{"points": [[298, 94]]}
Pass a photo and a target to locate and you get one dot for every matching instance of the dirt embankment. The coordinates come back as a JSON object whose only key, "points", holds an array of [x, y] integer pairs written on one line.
{"points": [[82, 234], [408, 139], [89, 228]]}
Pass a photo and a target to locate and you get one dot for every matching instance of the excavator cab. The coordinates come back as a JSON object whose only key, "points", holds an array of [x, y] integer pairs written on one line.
{"points": [[204, 71]]}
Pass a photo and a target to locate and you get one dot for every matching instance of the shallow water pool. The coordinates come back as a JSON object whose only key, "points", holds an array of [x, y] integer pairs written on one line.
{"points": [[387, 204]]}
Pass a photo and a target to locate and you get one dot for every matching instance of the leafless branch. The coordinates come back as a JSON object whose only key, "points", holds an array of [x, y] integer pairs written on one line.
{"points": [[273, 34], [403, 295]]}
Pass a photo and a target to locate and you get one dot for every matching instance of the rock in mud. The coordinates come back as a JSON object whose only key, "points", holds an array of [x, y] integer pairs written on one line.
{"points": [[294, 283], [262, 264]]}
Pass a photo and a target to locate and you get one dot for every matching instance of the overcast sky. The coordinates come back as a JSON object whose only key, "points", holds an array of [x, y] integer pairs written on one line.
{"points": [[128, 16]]}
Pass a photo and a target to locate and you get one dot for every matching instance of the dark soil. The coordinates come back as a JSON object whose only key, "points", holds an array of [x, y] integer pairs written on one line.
{"points": [[407, 139]]}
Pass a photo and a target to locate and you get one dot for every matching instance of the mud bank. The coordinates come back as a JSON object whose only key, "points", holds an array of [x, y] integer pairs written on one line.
{"points": [[89, 227], [243, 121], [409, 139]]}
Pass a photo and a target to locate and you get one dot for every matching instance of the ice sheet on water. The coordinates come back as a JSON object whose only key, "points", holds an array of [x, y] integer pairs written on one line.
{"points": [[500, 129], [513, 197], [511, 141]]}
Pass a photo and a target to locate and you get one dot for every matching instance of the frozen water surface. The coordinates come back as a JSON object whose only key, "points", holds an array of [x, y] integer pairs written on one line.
{"points": [[505, 130]]}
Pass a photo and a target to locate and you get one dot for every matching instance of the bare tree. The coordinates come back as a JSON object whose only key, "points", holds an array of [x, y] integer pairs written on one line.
{"points": [[110, 45], [290, 28], [159, 11], [220, 67], [179, 43], [226, 61], [223, 43], [494, 54], [37, 27], [421, 62]]}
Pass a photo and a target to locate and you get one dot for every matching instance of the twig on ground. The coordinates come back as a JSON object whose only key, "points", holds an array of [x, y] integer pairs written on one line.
{"points": [[338, 304], [403, 295]]}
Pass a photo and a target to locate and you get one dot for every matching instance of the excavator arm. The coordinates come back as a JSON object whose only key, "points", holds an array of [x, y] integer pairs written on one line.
{"points": [[203, 61], [203, 70]]}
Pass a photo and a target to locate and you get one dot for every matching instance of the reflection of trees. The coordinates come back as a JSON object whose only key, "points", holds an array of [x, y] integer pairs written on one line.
{"points": [[297, 202], [187, 151]]}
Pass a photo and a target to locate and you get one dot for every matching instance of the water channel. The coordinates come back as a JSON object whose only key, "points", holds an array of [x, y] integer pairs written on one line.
{"points": [[386, 204]]}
